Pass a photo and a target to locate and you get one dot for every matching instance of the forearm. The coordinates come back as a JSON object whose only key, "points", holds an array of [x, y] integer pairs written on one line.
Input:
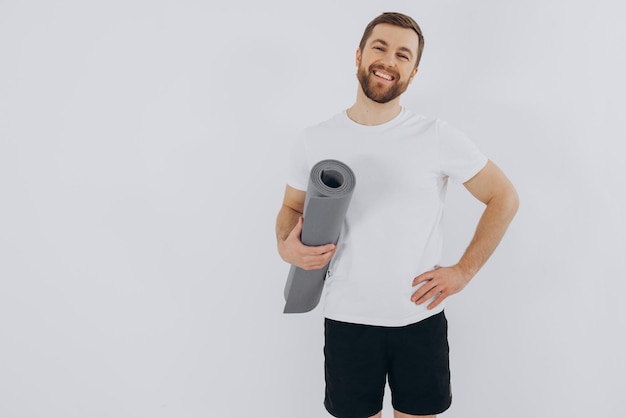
{"points": [[491, 228], [285, 221], [491, 187]]}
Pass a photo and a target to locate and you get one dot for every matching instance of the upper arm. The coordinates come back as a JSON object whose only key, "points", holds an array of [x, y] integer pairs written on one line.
{"points": [[294, 199], [489, 183]]}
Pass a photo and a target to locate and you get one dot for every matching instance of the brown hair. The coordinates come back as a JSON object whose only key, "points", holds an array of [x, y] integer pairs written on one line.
{"points": [[396, 19]]}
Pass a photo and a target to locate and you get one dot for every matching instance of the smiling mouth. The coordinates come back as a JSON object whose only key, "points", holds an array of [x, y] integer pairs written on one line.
{"points": [[383, 75]]}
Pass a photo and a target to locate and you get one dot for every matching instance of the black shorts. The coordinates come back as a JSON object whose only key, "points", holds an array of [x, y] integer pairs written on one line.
{"points": [[360, 358]]}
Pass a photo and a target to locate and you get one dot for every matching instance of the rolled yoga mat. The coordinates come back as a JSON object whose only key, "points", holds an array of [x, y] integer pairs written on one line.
{"points": [[328, 195]]}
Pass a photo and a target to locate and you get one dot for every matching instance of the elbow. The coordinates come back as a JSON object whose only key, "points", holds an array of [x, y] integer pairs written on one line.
{"points": [[512, 201], [506, 202]]}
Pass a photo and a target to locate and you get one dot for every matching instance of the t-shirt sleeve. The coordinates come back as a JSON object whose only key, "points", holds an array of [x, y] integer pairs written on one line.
{"points": [[297, 167], [460, 158]]}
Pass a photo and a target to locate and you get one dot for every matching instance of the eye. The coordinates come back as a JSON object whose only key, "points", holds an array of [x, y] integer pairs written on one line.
{"points": [[379, 48], [404, 57]]}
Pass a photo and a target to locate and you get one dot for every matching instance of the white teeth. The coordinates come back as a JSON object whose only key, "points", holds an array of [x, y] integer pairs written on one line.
{"points": [[385, 76]]}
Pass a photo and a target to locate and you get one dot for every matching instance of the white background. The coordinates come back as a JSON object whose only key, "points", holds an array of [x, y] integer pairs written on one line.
{"points": [[142, 159]]}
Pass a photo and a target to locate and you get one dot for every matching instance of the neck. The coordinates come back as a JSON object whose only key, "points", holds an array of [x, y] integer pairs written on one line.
{"points": [[365, 111]]}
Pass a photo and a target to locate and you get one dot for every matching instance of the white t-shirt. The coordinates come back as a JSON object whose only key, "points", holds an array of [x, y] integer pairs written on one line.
{"points": [[393, 227]]}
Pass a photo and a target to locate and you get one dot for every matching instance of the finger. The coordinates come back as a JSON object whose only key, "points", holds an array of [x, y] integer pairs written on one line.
{"points": [[428, 275], [425, 292], [314, 251], [424, 277], [324, 249], [318, 253], [418, 295], [317, 262], [438, 299], [324, 258]]}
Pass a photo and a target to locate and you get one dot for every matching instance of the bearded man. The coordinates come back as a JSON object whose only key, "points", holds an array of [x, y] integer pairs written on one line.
{"points": [[385, 291]]}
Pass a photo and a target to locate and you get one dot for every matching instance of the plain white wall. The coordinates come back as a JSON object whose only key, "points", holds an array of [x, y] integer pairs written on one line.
{"points": [[142, 158]]}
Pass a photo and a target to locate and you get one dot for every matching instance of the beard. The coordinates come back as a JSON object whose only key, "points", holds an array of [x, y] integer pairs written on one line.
{"points": [[375, 90]]}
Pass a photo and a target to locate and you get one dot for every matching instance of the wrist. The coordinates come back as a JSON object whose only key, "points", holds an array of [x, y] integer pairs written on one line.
{"points": [[466, 269]]}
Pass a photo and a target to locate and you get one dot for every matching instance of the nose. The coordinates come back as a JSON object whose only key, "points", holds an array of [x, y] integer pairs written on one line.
{"points": [[389, 59]]}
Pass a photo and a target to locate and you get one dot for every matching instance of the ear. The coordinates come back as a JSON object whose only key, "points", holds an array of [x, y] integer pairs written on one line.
{"points": [[358, 57], [413, 73]]}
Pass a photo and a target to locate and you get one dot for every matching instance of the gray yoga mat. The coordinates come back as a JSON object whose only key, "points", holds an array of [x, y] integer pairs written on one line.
{"points": [[328, 195]]}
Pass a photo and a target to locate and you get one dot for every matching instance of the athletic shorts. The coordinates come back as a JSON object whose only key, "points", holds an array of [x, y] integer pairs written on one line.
{"points": [[359, 359]]}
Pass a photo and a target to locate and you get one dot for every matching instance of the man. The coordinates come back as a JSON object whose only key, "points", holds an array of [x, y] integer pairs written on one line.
{"points": [[383, 310]]}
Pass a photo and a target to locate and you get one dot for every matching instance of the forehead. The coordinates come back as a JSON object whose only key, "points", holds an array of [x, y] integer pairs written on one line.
{"points": [[395, 36]]}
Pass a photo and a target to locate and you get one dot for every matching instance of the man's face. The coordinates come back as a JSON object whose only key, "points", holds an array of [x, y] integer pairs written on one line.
{"points": [[386, 66]]}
